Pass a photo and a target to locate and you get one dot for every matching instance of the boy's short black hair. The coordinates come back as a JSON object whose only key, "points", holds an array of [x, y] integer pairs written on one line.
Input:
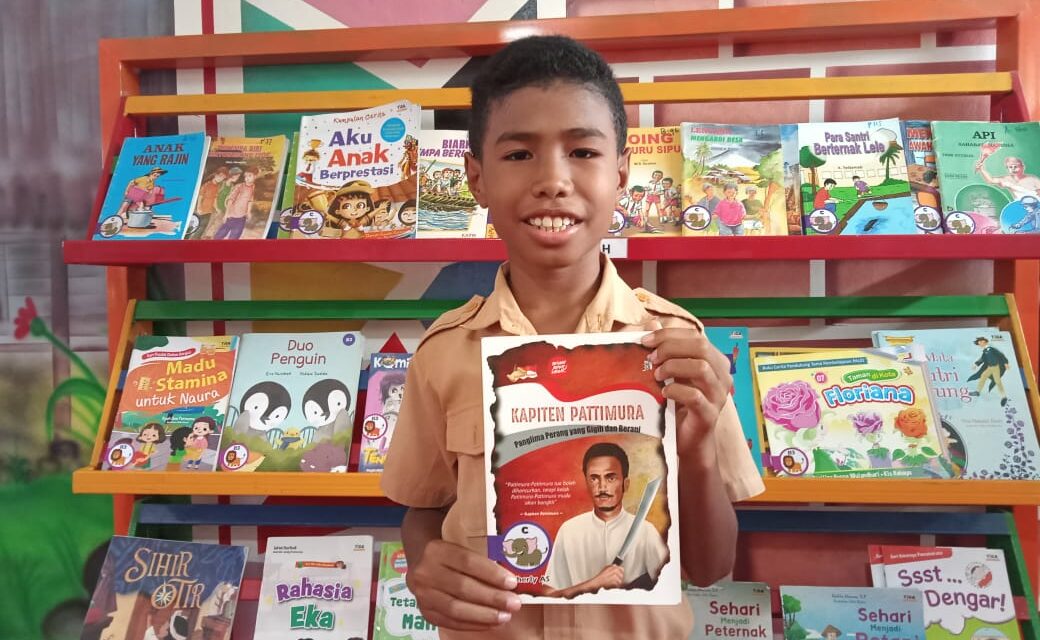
{"points": [[539, 61]]}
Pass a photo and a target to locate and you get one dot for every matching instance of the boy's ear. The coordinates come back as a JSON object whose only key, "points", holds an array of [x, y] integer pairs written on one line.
{"points": [[623, 169], [475, 178]]}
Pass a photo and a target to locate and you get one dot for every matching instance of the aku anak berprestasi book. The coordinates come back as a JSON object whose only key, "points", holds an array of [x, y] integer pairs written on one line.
{"points": [[153, 188], [731, 610], [397, 614], [860, 613], [292, 404], [165, 589], [652, 200], [174, 404], [564, 414], [386, 377], [447, 208], [979, 391]]}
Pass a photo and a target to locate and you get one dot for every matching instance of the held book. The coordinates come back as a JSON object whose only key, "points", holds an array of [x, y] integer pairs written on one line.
{"points": [[397, 612], [580, 455], [386, 377]]}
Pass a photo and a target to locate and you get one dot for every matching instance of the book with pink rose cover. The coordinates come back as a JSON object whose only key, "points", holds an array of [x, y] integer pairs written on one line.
{"points": [[848, 412]]}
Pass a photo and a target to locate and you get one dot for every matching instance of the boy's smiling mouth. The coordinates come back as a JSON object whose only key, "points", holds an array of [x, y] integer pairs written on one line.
{"points": [[553, 223]]}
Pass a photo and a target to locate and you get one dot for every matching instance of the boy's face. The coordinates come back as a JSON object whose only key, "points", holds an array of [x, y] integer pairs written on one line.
{"points": [[550, 156]]}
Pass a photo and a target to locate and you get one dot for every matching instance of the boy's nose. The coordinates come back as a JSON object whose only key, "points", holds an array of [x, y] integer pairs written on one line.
{"points": [[554, 179]]}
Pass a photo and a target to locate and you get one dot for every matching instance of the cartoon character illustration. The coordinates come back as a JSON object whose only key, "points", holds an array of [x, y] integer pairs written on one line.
{"points": [[523, 551], [382, 216], [1017, 182], [197, 441], [150, 437], [350, 211], [992, 364], [823, 199], [237, 206], [325, 457], [142, 192], [862, 188], [391, 391], [1030, 222], [324, 401], [634, 206], [410, 159], [406, 215], [264, 406], [831, 632], [730, 212], [310, 159], [521, 373], [290, 439]]}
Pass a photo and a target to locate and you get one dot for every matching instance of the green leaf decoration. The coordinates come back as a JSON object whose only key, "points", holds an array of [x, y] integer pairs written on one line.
{"points": [[930, 452], [898, 454], [77, 388]]}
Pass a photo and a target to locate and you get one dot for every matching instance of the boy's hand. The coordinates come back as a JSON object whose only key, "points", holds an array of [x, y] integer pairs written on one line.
{"points": [[460, 589]]}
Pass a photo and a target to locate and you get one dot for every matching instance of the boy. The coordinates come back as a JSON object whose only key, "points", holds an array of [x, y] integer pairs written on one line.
{"points": [[547, 136]]}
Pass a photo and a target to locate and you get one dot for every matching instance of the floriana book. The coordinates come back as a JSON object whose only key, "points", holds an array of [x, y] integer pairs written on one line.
{"points": [[581, 469]]}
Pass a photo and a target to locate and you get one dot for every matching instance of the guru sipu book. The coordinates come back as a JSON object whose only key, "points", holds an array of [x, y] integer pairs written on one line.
{"points": [[582, 491]]}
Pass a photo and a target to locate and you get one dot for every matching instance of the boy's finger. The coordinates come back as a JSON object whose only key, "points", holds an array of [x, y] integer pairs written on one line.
{"points": [[479, 567], [465, 608], [470, 589]]}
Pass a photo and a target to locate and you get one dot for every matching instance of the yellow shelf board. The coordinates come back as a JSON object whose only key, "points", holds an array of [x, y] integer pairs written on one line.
{"points": [[939, 84], [901, 492]]}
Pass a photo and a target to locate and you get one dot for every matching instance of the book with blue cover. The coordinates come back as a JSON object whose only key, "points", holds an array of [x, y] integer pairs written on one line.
{"points": [[835, 613], [733, 343]]}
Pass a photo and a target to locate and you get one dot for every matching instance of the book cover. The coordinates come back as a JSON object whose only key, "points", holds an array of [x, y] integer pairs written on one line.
{"points": [[315, 587], [792, 178], [651, 203], [876, 561], [158, 589], [850, 412], [397, 614], [174, 403], [966, 591], [357, 173], [288, 219], [833, 613], [733, 180], [240, 183], [854, 178], [153, 189], [292, 404], [580, 463], [447, 209], [733, 343], [988, 176], [731, 610], [923, 174], [979, 392], [386, 376]]}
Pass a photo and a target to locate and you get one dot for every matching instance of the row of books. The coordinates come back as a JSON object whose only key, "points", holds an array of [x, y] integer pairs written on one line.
{"points": [[321, 587], [374, 174]]}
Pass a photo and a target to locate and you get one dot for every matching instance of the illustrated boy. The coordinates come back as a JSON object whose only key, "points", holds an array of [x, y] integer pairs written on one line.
{"points": [[992, 364], [142, 191], [237, 207], [710, 200], [823, 199], [207, 204], [547, 134]]}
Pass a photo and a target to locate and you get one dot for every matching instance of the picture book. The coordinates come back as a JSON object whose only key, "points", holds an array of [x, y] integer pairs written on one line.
{"points": [[849, 412], [792, 178], [988, 176], [357, 173], [731, 610], [154, 185], [733, 180], [447, 209], [580, 460], [292, 404], [979, 392], [157, 589], [651, 203], [835, 613], [315, 587], [174, 403], [397, 613], [386, 377], [966, 591], [733, 343], [854, 178], [288, 219], [923, 174], [240, 183]]}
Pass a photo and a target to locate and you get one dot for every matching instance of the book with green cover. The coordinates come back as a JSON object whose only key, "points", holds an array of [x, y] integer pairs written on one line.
{"points": [[397, 614]]}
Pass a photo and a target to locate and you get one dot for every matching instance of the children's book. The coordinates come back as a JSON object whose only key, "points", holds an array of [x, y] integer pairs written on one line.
{"points": [[731, 610], [836, 613], [923, 174], [582, 491], [154, 185], [988, 176], [849, 412], [158, 589], [292, 404], [733, 343], [854, 178], [240, 184], [792, 178], [447, 209], [288, 219], [174, 403], [386, 377], [315, 587], [397, 613], [733, 180], [979, 392], [651, 204], [357, 173], [966, 591]]}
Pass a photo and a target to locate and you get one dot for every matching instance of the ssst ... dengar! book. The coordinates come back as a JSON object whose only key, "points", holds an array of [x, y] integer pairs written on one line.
{"points": [[582, 486]]}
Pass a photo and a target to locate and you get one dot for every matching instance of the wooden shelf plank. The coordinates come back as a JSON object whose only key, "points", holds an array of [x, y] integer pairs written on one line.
{"points": [[901, 492]]}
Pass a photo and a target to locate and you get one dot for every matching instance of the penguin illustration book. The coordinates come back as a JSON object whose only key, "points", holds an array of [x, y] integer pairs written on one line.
{"points": [[325, 401], [264, 407]]}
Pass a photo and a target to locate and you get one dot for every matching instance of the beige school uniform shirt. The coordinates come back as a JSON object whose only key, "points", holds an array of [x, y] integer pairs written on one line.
{"points": [[436, 457]]}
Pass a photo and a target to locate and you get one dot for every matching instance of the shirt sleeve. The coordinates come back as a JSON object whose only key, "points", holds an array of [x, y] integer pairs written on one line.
{"points": [[417, 472], [736, 464]]}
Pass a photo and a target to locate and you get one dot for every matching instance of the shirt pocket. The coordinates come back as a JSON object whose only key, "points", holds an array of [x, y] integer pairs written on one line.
{"points": [[465, 439]]}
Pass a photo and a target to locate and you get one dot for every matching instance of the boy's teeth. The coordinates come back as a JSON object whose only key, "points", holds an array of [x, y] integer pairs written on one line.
{"points": [[550, 223]]}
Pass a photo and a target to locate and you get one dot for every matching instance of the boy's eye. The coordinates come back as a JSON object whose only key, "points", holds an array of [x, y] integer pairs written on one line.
{"points": [[585, 153], [518, 155]]}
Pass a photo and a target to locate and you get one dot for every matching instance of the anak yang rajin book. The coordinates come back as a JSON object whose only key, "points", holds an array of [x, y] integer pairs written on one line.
{"points": [[447, 209], [733, 343], [315, 587], [357, 173], [836, 613], [292, 404], [397, 614], [580, 456], [153, 188], [966, 591], [979, 392], [849, 412], [651, 202], [165, 589], [386, 377], [731, 610], [174, 403]]}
